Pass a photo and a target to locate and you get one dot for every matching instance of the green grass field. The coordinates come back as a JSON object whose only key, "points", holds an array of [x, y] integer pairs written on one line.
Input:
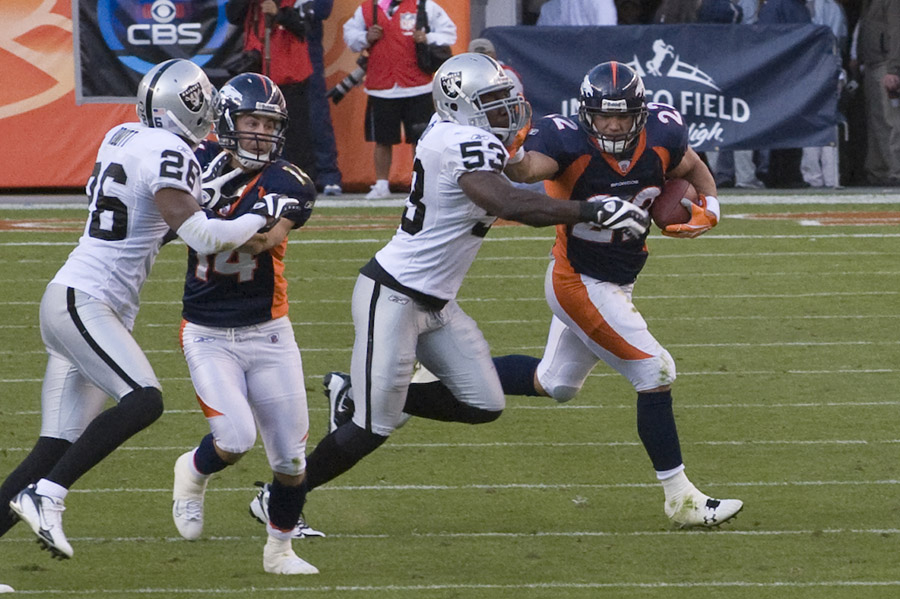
{"points": [[787, 340]]}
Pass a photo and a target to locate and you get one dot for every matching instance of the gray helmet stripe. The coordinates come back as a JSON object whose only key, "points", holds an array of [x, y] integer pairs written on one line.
{"points": [[152, 85]]}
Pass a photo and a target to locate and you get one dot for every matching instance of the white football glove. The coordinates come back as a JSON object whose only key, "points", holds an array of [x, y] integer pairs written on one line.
{"points": [[275, 205], [212, 181], [617, 214]]}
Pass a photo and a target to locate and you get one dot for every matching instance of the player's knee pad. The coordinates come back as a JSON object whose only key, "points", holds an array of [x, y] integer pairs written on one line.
{"points": [[145, 405], [563, 393], [658, 371], [559, 388], [234, 437]]}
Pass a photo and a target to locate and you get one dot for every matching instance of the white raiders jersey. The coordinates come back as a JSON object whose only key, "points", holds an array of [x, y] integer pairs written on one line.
{"points": [[124, 229], [442, 229]]}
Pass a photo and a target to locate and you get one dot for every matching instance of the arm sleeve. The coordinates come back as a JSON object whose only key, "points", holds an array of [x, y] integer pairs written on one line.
{"points": [[211, 236], [355, 31]]}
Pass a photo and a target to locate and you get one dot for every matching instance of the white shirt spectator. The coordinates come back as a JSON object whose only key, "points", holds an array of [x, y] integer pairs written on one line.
{"points": [[579, 12]]}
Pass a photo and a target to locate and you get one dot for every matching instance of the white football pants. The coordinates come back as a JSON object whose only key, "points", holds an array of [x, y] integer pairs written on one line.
{"points": [[92, 356], [593, 321], [251, 375], [392, 332]]}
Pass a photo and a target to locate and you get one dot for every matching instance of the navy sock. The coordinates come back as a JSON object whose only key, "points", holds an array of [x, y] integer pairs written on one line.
{"points": [[656, 428], [285, 504], [517, 374], [206, 460]]}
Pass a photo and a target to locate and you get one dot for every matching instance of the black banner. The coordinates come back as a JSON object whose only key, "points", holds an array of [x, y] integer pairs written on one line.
{"points": [[737, 86], [117, 41]]}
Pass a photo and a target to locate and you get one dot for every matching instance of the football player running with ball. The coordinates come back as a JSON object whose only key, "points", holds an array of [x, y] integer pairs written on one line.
{"points": [[620, 145], [145, 183], [237, 338], [404, 304]]}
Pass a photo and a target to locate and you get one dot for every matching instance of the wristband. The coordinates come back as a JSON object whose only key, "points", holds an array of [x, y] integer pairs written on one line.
{"points": [[712, 205], [517, 157]]}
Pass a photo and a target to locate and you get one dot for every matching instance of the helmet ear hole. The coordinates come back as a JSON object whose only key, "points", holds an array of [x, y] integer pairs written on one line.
{"points": [[454, 106]]}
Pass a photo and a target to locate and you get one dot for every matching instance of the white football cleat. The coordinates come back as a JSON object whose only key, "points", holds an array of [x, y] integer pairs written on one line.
{"points": [[696, 509], [5, 588], [279, 558], [187, 498], [259, 509], [44, 515]]}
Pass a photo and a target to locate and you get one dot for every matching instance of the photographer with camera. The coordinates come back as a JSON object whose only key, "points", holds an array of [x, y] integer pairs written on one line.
{"points": [[277, 32], [399, 91]]}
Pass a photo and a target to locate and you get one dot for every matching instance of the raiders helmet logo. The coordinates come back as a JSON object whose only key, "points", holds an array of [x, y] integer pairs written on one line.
{"points": [[192, 97], [451, 83]]}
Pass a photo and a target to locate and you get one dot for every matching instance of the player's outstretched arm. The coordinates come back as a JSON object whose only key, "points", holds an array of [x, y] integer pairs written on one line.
{"points": [[261, 242], [530, 167], [182, 213], [492, 192]]}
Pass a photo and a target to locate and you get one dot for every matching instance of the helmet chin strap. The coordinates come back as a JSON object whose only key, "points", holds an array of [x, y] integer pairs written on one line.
{"points": [[251, 161]]}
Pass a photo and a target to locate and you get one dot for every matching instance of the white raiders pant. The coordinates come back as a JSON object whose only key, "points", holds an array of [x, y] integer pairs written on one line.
{"points": [[92, 356], [592, 321], [251, 375], [392, 332]]}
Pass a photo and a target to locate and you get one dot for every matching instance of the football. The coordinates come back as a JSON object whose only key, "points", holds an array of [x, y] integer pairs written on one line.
{"points": [[667, 209]]}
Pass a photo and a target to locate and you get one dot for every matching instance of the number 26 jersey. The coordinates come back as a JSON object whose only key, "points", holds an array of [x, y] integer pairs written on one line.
{"points": [[124, 229]]}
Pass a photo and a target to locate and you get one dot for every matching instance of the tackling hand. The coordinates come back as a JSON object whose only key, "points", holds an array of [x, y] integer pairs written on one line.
{"points": [[617, 214], [703, 218], [212, 181], [274, 206]]}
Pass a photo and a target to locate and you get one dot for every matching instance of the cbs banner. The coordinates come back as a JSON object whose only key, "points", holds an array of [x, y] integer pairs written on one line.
{"points": [[117, 41], [737, 86]]}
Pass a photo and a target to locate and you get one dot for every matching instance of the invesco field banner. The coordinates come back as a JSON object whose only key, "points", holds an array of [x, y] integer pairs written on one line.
{"points": [[117, 41], [737, 86]]}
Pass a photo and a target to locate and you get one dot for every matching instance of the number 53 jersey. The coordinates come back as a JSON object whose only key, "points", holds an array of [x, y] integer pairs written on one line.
{"points": [[442, 229], [586, 171], [124, 229]]}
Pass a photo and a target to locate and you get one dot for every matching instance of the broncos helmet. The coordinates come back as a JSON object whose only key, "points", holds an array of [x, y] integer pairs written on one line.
{"points": [[459, 86], [613, 88], [176, 95], [251, 93]]}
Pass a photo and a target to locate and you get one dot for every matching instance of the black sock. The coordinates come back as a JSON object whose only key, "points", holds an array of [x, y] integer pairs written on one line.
{"points": [[206, 459], [436, 402], [338, 452], [517, 374], [46, 452], [285, 504], [656, 428], [134, 412]]}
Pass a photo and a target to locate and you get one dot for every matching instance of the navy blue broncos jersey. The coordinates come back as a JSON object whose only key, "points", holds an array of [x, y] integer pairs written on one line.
{"points": [[235, 289], [586, 171]]}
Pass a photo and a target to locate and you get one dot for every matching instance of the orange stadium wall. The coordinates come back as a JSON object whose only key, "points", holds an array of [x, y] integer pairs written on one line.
{"points": [[47, 141]]}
